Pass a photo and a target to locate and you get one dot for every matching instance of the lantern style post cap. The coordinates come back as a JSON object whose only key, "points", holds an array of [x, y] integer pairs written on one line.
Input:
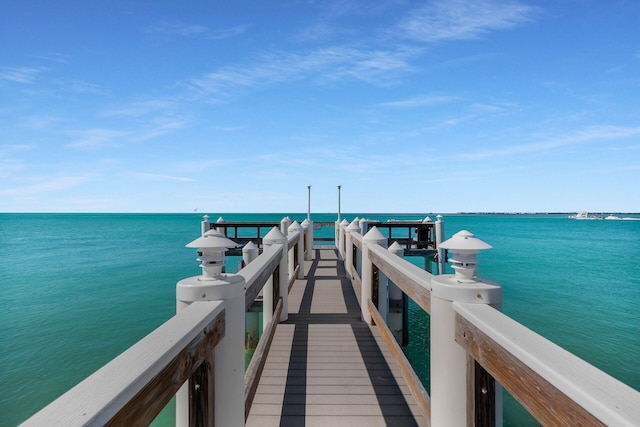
{"points": [[464, 245], [211, 248], [465, 241], [212, 239]]}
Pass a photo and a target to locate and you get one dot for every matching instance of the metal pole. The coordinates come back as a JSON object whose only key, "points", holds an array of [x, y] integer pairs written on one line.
{"points": [[339, 186], [309, 203]]}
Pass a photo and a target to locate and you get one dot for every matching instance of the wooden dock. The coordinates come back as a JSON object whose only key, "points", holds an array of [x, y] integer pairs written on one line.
{"points": [[326, 366]]}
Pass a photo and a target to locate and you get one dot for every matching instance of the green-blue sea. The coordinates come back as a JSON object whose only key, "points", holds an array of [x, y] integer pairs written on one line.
{"points": [[78, 289]]}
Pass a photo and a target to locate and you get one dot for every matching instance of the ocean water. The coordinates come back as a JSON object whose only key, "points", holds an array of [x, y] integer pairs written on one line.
{"points": [[78, 289]]}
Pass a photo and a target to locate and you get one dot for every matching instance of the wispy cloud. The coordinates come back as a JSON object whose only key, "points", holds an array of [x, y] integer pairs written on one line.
{"points": [[24, 75], [443, 20], [46, 185], [177, 28], [100, 138], [588, 135], [227, 33], [82, 87], [140, 108], [96, 138], [330, 63], [60, 58], [157, 127], [158, 177], [40, 122], [420, 101], [186, 30]]}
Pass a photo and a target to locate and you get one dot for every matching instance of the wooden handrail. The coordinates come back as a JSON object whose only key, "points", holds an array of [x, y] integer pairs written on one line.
{"points": [[135, 386], [256, 366], [555, 386], [293, 240], [415, 385], [411, 279], [257, 272]]}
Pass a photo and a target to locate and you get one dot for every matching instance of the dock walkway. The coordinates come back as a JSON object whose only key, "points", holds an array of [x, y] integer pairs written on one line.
{"points": [[326, 367]]}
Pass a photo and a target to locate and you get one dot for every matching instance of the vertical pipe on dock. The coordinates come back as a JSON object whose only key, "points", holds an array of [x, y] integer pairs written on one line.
{"points": [[373, 237], [275, 236], [339, 187], [309, 203]]}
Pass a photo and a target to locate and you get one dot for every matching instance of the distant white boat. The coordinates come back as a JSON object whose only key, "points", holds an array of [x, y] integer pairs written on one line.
{"points": [[584, 215], [612, 217]]}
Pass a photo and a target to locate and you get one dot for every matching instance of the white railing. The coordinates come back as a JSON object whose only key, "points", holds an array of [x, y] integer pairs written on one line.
{"points": [[473, 345], [135, 386], [192, 355]]}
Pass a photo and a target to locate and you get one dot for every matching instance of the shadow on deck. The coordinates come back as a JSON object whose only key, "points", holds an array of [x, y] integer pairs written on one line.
{"points": [[326, 366]]}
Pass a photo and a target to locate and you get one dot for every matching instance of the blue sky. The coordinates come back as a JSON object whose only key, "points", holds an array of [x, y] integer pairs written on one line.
{"points": [[236, 106]]}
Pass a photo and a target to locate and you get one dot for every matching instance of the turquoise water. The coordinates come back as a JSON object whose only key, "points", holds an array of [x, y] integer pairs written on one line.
{"points": [[78, 289]]}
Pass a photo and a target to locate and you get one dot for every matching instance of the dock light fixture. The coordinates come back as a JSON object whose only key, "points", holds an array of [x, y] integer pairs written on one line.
{"points": [[211, 250], [464, 245]]}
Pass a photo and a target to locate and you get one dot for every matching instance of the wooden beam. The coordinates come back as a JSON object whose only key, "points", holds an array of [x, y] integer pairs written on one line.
{"points": [[257, 272], [135, 386], [411, 279], [555, 386], [256, 366], [415, 385]]}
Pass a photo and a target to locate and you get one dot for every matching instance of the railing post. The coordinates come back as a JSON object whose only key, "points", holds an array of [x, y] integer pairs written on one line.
{"points": [[284, 225], [226, 400], [268, 301], [295, 227], [373, 237], [204, 225], [395, 316], [249, 252], [353, 227], [453, 401], [364, 226], [222, 230], [341, 237], [275, 236], [307, 226]]}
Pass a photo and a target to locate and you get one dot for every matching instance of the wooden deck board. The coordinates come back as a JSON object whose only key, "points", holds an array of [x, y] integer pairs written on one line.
{"points": [[327, 367]]}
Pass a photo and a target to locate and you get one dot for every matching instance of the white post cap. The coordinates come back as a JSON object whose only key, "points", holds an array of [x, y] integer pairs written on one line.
{"points": [[464, 245]]}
